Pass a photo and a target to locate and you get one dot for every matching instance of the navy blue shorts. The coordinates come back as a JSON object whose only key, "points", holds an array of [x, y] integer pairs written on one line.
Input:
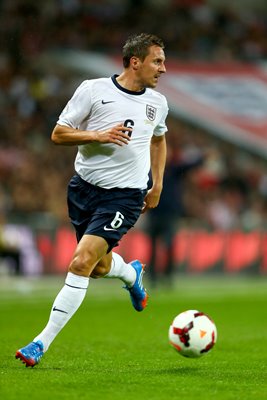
{"points": [[108, 213]]}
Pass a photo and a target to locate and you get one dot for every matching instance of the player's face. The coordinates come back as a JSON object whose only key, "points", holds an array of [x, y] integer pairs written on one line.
{"points": [[152, 67]]}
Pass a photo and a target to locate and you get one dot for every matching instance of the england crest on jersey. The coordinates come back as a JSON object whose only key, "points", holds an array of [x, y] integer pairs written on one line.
{"points": [[151, 112]]}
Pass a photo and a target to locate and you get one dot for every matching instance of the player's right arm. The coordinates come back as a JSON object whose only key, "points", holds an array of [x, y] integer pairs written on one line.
{"points": [[77, 110], [68, 136]]}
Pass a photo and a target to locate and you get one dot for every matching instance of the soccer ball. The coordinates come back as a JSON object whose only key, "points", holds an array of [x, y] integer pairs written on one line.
{"points": [[192, 333]]}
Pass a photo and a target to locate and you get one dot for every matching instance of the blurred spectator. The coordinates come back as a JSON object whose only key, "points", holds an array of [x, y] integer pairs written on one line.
{"points": [[18, 251], [163, 221], [225, 210], [9, 252]]}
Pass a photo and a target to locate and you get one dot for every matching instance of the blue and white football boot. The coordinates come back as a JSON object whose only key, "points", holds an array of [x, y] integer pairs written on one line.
{"points": [[137, 292], [31, 354]]}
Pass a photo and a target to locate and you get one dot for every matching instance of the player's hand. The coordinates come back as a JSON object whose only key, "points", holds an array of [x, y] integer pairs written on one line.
{"points": [[151, 200], [116, 135]]}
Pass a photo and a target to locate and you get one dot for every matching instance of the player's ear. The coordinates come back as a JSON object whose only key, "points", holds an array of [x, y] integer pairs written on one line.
{"points": [[135, 62]]}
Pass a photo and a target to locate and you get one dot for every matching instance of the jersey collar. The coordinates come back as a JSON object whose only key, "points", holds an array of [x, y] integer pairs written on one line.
{"points": [[114, 80]]}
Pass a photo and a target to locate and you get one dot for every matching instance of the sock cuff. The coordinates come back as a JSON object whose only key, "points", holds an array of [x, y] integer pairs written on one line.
{"points": [[77, 281], [117, 258], [116, 263]]}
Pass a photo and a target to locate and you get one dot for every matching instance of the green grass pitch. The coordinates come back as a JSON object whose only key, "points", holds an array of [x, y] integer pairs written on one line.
{"points": [[109, 351]]}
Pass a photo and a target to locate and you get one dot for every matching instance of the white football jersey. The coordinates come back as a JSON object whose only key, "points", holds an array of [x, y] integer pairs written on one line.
{"points": [[99, 104]]}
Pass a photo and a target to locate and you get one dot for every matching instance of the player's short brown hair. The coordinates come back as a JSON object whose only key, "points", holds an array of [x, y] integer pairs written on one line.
{"points": [[138, 46]]}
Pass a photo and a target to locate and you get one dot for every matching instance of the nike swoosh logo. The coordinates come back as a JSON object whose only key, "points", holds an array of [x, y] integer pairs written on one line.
{"points": [[57, 309], [107, 102], [109, 229]]}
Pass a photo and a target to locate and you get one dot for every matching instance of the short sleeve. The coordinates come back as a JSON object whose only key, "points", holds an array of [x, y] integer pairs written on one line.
{"points": [[161, 128], [78, 107]]}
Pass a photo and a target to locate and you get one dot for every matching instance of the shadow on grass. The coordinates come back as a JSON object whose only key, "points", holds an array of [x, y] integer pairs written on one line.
{"points": [[182, 371], [36, 368]]}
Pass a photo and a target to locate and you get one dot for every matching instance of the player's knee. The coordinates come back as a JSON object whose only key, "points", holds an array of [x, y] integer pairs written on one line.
{"points": [[82, 263]]}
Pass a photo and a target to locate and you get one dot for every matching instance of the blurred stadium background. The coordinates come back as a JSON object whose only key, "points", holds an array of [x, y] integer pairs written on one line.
{"points": [[216, 86]]}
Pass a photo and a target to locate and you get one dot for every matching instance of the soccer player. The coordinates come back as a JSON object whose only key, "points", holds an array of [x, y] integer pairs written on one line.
{"points": [[119, 126]]}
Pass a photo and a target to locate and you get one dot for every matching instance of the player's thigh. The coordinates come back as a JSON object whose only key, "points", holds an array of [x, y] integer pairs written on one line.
{"points": [[88, 252]]}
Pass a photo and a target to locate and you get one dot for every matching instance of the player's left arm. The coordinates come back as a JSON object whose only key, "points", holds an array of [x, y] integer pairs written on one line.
{"points": [[158, 152]]}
